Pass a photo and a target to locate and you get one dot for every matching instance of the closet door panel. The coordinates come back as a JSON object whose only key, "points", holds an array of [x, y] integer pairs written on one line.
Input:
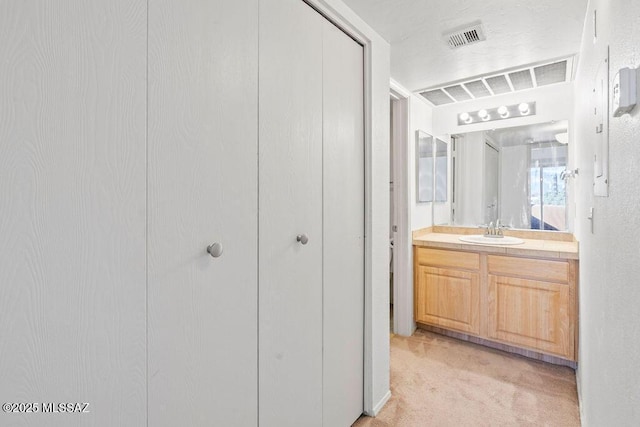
{"points": [[290, 272], [343, 216], [202, 178], [72, 210]]}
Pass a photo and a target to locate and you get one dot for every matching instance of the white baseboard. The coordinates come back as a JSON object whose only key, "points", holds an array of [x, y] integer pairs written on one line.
{"points": [[380, 404]]}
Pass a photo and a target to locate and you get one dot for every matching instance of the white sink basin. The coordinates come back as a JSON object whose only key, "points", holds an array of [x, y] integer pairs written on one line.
{"points": [[483, 240]]}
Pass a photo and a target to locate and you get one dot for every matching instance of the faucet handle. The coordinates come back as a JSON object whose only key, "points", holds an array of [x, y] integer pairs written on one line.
{"points": [[500, 227]]}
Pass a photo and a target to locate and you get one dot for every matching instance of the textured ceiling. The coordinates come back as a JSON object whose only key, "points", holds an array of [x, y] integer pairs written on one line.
{"points": [[518, 33]]}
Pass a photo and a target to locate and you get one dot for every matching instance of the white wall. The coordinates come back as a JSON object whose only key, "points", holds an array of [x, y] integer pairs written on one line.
{"points": [[609, 355], [420, 118]]}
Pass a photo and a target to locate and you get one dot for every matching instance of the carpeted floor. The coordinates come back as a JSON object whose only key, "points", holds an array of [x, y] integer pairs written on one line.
{"points": [[440, 381]]}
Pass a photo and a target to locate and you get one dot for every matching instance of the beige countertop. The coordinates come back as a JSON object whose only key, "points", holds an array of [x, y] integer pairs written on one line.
{"points": [[542, 248]]}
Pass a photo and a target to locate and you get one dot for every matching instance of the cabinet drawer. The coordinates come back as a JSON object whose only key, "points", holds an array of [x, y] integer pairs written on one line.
{"points": [[447, 258], [546, 270]]}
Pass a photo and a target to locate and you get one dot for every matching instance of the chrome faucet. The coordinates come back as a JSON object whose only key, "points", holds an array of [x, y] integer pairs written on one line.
{"points": [[492, 230]]}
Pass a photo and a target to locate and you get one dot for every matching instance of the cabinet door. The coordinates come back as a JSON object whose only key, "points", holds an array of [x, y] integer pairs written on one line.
{"points": [[202, 188], [531, 313], [448, 298], [290, 365]]}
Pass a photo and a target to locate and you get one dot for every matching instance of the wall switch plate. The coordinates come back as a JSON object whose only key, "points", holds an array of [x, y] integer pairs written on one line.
{"points": [[624, 91]]}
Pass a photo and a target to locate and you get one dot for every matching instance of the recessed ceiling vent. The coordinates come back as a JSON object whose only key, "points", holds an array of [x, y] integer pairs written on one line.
{"points": [[506, 81], [465, 35]]}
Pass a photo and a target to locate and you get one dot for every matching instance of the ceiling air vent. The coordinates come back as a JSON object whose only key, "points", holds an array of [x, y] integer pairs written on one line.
{"points": [[457, 93], [437, 97], [463, 36], [506, 81], [477, 88], [551, 73]]}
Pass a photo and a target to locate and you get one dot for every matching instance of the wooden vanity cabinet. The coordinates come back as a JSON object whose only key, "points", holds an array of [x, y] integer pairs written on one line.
{"points": [[447, 289], [531, 303], [528, 303]]}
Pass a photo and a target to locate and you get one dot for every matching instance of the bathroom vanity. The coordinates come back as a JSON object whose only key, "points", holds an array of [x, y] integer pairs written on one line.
{"points": [[519, 298]]}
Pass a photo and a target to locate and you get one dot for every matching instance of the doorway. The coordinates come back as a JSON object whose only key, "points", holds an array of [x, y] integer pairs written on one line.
{"points": [[391, 215], [400, 257]]}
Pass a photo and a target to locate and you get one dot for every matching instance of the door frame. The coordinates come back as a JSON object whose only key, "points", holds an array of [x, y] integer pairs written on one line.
{"points": [[403, 319], [376, 135]]}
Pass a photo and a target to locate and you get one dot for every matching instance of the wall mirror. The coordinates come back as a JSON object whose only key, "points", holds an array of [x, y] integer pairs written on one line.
{"points": [[516, 174], [441, 162], [424, 167]]}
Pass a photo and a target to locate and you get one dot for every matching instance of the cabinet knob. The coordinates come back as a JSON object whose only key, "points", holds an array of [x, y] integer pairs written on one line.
{"points": [[302, 238], [215, 249]]}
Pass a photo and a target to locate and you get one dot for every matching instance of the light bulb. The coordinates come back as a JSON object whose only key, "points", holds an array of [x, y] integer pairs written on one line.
{"points": [[503, 111], [524, 108], [464, 117], [483, 113]]}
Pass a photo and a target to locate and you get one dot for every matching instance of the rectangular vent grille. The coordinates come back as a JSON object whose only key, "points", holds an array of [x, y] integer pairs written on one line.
{"points": [[506, 81], [498, 84], [551, 73], [521, 80], [468, 34], [477, 88], [437, 97], [457, 92]]}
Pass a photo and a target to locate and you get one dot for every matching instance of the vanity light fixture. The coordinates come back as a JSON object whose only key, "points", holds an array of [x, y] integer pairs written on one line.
{"points": [[499, 113], [503, 111], [465, 117]]}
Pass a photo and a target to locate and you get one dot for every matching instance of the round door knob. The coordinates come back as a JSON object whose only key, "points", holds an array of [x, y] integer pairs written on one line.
{"points": [[302, 238], [215, 249]]}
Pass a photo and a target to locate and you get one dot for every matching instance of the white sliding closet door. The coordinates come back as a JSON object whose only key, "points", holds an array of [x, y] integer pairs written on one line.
{"points": [[290, 205], [203, 69], [343, 227], [72, 210]]}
